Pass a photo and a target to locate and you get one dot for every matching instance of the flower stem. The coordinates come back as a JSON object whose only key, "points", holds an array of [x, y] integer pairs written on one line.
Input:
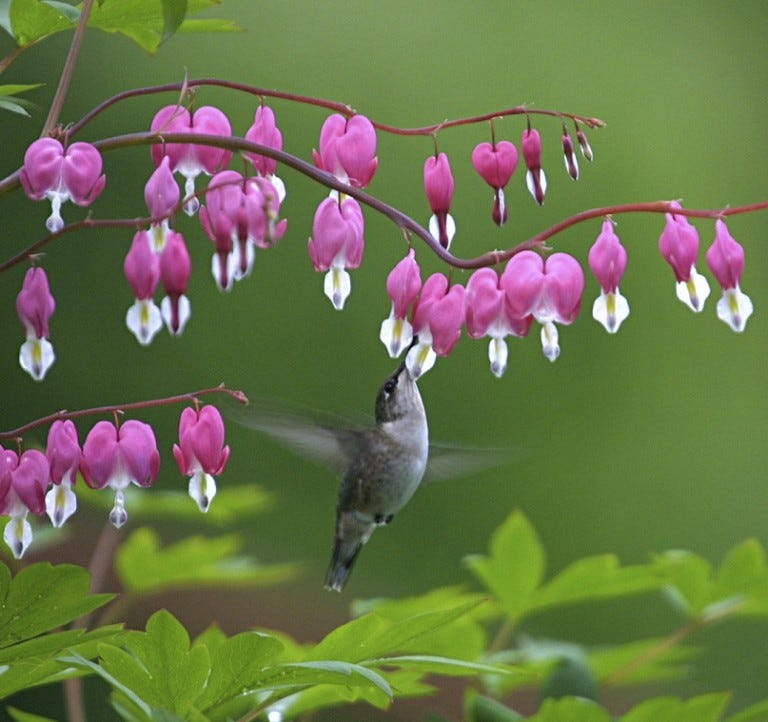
{"points": [[68, 70]]}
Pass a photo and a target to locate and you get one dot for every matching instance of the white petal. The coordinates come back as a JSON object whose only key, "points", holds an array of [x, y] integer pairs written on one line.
{"points": [[185, 311], [158, 235], [191, 203], [144, 320], [237, 256], [118, 516], [450, 228], [549, 340], [734, 308], [279, 186], [610, 310], [202, 488], [18, 535], [694, 292], [36, 357], [420, 359], [497, 355], [60, 503], [396, 334], [224, 284], [337, 286], [55, 223]]}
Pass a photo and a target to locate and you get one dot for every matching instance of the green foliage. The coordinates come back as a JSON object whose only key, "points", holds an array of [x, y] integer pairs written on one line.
{"points": [[9, 101], [145, 567], [148, 23]]}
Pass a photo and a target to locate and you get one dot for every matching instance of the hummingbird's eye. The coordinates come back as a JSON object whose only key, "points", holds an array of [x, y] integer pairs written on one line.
{"points": [[389, 387]]}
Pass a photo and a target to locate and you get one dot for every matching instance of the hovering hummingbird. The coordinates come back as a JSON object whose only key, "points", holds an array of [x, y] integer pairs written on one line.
{"points": [[380, 467]]}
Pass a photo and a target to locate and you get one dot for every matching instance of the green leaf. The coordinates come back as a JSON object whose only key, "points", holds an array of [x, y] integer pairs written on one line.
{"points": [[673, 664], [15, 88], [32, 20], [705, 708], [431, 664], [372, 636], [572, 709], [42, 597], [236, 664], [144, 567], [757, 712], [515, 566], [18, 715], [16, 105], [146, 23], [479, 708], [173, 15]]}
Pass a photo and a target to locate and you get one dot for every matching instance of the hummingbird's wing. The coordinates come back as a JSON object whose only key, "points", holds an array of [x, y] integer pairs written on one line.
{"points": [[315, 439], [448, 461]]}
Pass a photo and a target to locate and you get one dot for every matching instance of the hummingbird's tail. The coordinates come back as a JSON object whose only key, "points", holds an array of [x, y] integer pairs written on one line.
{"points": [[344, 555]]}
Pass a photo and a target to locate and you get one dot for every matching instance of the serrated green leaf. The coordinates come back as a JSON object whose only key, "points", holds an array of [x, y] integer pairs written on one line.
{"points": [[433, 664], [236, 664], [173, 15], [515, 566], [689, 577], [757, 712], [596, 577], [42, 597], [298, 674], [18, 715], [70, 12], [144, 22], [32, 20], [177, 672], [145, 567], [743, 577], [572, 709], [704, 708], [372, 636]]}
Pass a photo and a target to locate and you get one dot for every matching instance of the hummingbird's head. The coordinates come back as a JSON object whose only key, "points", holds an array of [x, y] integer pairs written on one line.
{"points": [[398, 397]]}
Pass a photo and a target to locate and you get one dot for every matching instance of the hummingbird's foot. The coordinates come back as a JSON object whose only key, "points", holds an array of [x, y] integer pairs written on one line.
{"points": [[381, 520]]}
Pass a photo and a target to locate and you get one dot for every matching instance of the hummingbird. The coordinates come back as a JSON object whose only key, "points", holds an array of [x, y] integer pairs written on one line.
{"points": [[380, 466]]}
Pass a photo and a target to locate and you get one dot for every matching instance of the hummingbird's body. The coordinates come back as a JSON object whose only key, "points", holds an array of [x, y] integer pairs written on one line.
{"points": [[383, 473]]}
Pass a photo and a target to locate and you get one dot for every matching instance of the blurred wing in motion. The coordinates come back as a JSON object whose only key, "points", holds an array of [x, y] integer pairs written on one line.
{"points": [[448, 461]]}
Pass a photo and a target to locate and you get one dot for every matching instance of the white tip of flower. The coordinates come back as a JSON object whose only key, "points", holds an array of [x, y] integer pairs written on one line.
{"points": [[243, 266], [693, 292], [118, 516], [450, 229], [202, 488], [191, 203], [610, 310], [420, 359], [223, 275], [18, 535], [55, 223], [185, 311], [36, 356], [337, 286], [396, 334], [144, 320], [497, 355], [571, 160], [60, 503], [530, 181], [734, 308], [549, 341], [279, 186]]}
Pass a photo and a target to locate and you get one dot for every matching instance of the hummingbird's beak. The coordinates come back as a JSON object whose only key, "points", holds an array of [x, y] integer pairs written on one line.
{"points": [[402, 366]]}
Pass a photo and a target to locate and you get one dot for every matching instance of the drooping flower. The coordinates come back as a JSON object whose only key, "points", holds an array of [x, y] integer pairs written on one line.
{"points": [[35, 305], [488, 315], [403, 286], [496, 163], [586, 148], [438, 316], [439, 186], [175, 269], [23, 481], [64, 456], [142, 271], [201, 453], [569, 155], [117, 456], [608, 260], [161, 194], [348, 149], [265, 131], [58, 174], [725, 258], [550, 291], [337, 244], [190, 159], [679, 245], [535, 178]]}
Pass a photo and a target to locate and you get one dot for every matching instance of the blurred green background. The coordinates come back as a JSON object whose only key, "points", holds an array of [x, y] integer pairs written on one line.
{"points": [[648, 440]]}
